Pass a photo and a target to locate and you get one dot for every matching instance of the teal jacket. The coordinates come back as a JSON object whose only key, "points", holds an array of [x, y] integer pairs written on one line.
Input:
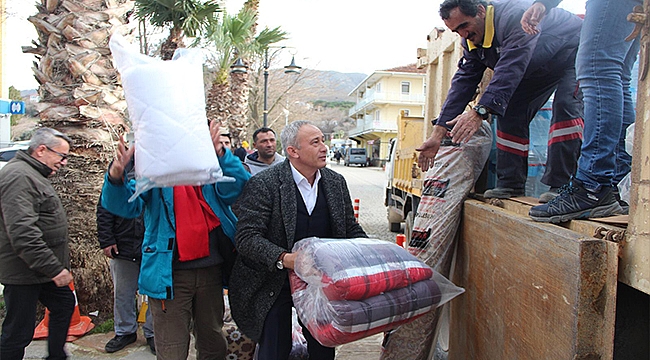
{"points": [[158, 204]]}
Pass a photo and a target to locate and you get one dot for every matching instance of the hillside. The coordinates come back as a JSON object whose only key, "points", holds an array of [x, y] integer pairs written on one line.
{"points": [[332, 85]]}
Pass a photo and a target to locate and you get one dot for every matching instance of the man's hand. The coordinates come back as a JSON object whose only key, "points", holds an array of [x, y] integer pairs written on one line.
{"points": [[430, 147], [216, 139], [110, 250], [465, 125], [532, 17], [289, 260], [63, 279], [122, 158]]}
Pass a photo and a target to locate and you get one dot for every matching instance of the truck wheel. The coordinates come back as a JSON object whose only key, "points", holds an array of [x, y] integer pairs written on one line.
{"points": [[395, 227], [408, 226]]}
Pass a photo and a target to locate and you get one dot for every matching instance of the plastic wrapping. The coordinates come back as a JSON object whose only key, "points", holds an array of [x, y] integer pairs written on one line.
{"points": [[446, 185], [626, 183], [166, 104], [299, 345], [348, 289]]}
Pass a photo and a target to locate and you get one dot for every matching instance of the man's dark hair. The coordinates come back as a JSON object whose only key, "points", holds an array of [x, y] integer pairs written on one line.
{"points": [[467, 7], [227, 135], [262, 130]]}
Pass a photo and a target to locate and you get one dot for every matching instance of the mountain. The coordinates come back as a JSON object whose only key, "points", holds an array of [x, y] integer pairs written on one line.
{"points": [[333, 85], [318, 85]]}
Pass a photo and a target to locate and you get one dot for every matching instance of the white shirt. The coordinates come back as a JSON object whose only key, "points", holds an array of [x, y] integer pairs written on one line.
{"points": [[308, 192]]}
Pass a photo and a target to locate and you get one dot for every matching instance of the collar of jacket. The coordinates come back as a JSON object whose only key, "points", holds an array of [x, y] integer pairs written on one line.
{"points": [[489, 30], [39, 166]]}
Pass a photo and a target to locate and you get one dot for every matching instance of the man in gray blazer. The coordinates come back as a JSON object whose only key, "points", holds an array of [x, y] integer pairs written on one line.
{"points": [[278, 207]]}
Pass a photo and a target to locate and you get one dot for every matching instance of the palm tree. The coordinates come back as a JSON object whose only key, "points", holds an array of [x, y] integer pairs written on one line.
{"points": [[233, 38], [184, 17], [81, 96]]}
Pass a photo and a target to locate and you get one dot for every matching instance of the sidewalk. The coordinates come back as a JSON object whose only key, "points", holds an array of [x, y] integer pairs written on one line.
{"points": [[92, 347]]}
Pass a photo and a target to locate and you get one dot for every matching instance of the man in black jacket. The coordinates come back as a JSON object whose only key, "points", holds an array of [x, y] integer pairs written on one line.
{"points": [[121, 240], [288, 202]]}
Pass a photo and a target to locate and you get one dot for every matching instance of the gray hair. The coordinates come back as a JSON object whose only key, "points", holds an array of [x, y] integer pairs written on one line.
{"points": [[289, 135], [48, 137]]}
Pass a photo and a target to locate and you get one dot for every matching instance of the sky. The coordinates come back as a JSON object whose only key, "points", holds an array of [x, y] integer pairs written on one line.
{"points": [[350, 36]]}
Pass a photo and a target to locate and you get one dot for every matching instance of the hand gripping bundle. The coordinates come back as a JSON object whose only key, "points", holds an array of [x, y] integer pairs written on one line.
{"points": [[348, 289], [166, 104]]}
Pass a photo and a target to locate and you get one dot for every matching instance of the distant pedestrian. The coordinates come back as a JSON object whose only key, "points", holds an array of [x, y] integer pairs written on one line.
{"points": [[121, 241], [34, 252], [337, 156]]}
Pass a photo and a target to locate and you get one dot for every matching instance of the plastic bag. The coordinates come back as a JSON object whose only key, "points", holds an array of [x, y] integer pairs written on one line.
{"points": [[166, 104], [329, 273], [299, 345], [626, 183], [446, 185]]}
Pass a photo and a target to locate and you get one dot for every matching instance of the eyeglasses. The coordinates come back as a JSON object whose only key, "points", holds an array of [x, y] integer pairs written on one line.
{"points": [[62, 155]]}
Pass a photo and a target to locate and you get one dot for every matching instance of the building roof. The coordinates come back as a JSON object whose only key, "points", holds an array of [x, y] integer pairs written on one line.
{"points": [[410, 68]]}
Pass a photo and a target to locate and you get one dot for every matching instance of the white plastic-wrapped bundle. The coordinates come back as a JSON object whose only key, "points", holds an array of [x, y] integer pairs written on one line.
{"points": [[347, 289], [166, 104]]}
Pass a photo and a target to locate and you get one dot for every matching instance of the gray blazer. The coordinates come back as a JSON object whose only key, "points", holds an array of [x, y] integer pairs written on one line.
{"points": [[267, 212]]}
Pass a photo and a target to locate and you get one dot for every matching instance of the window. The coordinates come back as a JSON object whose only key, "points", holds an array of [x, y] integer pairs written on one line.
{"points": [[378, 87], [377, 113], [406, 87]]}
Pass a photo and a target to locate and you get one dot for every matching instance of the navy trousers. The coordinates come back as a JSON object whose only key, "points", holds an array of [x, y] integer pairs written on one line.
{"points": [[18, 326], [565, 134], [276, 342]]}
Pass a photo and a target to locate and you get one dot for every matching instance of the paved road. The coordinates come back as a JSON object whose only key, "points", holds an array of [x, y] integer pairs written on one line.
{"points": [[366, 184]]}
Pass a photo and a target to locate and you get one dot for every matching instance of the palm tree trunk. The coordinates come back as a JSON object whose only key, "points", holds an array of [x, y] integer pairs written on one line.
{"points": [[80, 95]]}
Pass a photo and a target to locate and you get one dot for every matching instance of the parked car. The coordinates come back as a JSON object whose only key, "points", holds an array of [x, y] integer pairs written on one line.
{"points": [[8, 153], [356, 156]]}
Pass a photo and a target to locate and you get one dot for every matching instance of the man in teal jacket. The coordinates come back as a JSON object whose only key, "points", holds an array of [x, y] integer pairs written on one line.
{"points": [[181, 269]]}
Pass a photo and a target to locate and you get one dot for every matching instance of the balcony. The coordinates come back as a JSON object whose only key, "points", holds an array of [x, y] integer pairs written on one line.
{"points": [[371, 125], [371, 96]]}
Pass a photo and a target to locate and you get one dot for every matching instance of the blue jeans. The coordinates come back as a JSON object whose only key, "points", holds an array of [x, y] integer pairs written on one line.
{"points": [[604, 67], [125, 285]]}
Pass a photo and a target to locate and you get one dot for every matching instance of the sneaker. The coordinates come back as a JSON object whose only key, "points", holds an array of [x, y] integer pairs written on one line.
{"points": [[502, 193], [549, 195], [577, 202], [152, 345], [119, 342], [625, 207]]}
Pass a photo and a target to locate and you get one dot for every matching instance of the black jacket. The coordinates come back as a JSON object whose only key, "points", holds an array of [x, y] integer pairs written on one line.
{"points": [[126, 233]]}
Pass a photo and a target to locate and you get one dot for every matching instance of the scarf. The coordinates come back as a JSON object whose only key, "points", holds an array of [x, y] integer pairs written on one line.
{"points": [[194, 221]]}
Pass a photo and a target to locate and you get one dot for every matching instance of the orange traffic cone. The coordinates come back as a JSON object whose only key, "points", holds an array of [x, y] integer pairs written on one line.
{"points": [[79, 325]]}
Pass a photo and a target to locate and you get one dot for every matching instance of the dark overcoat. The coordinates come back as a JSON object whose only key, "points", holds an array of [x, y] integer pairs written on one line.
{"points": [[267, 211]]}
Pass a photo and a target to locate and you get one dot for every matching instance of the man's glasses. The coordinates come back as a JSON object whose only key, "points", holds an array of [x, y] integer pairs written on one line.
{"points": [[63, 156]]}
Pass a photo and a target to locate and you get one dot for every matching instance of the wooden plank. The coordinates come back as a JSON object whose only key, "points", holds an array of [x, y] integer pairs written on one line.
{"points": [[533, 290]]}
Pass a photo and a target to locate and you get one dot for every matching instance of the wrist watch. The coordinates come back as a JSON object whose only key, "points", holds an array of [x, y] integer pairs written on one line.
{"points": [[279, 264], [482, 111]]}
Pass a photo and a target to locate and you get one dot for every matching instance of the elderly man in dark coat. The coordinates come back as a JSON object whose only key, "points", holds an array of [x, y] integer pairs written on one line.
{"points": [[286, 203]]}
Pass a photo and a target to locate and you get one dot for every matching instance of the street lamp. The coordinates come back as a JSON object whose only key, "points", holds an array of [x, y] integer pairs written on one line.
{"points": [[289, 69]]}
